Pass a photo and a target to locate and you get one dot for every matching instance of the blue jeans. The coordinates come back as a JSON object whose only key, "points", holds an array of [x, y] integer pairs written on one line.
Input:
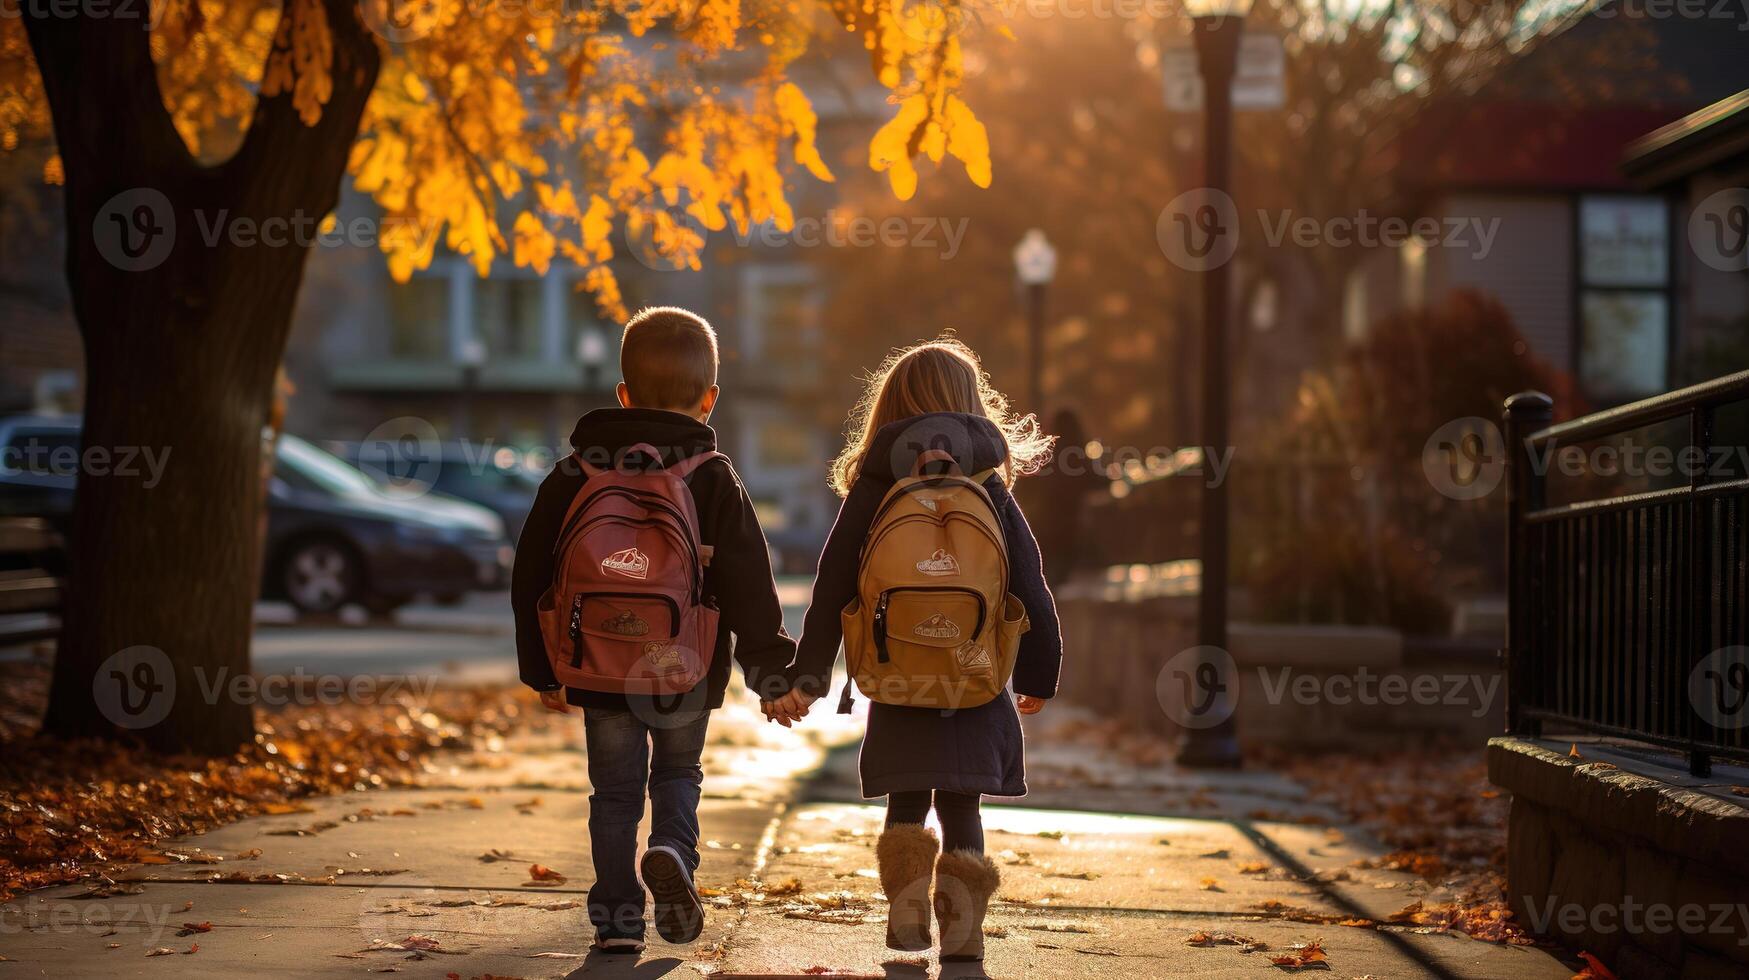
{"points": [[621, 766]]}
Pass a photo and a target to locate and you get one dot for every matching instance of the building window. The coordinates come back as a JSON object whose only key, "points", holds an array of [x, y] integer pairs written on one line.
{"points": [[509, 313], [1624, 296], [419, 318], [783, 321]]}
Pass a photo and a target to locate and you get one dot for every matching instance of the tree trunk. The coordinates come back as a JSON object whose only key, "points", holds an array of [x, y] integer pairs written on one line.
{"points": [[184, 327]]}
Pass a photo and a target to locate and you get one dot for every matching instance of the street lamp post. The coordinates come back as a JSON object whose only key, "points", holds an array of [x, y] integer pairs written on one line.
{"points": [[592, 356], [1035, 265], [471, 357], [1219, 26]]}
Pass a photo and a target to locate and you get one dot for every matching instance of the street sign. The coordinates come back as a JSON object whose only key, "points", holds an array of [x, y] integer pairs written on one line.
{"points": [[1258, 78], [1183, 81]]}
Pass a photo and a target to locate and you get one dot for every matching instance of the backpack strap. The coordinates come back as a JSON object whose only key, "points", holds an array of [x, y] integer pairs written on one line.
{"points": [[684, 468], [590, 471], [929, 456], [642, 448]]}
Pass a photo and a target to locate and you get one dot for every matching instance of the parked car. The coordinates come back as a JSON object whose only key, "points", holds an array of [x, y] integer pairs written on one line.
{"points": [[333, 535], [496, 480]]}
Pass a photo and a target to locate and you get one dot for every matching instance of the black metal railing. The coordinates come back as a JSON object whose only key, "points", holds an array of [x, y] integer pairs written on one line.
{"points": [[1626, 613]]}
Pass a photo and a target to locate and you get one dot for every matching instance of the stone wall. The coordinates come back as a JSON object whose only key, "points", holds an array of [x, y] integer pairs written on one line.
{"points": [[1307, 685], [1651, 878]]}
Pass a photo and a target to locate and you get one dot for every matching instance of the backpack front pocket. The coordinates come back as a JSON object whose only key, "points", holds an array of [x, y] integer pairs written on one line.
{"points": [[938, 617], [599, 620], [924, 646]]}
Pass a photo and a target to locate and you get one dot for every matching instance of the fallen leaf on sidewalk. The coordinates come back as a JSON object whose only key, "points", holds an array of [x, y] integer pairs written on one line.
{"points": [[1303, 956], [1246, 944], [495, 855], [1593, 969], [541, 875], [109, 889], [1074, 875], [249, 855], [1210, 885], [310, 831], [1051, 834], [419, 946], [789, 886], [1220, 855], [1490, 921], [190, 928], [1254, 868]]}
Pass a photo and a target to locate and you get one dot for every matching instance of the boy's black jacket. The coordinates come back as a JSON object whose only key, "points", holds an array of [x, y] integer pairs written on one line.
{"points": [[738, 578]]}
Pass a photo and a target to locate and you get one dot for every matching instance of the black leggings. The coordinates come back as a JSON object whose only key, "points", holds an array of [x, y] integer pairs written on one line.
{"points": [[961, 827]]}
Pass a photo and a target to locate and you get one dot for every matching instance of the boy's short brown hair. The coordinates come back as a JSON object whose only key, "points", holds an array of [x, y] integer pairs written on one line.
{"points": [[668, 357]]}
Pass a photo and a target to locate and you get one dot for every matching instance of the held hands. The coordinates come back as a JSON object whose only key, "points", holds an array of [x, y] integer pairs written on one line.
{"points": [[789, 709], [1028, 705], [554, 701]]}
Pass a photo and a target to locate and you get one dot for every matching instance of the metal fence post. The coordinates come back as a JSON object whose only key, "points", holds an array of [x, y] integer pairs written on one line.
{"points": [[1526, 412]]}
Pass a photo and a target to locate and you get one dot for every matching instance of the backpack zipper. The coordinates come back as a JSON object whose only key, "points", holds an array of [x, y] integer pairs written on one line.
{"points": [[577, 630], [577, 617], [886, 598]]}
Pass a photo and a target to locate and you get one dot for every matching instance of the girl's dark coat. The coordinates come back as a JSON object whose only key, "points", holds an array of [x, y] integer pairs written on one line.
{"points": [[971, 750]]}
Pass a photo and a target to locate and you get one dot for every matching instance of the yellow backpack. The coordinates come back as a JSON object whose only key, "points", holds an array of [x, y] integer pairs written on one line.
{"points": [[932, 624]]}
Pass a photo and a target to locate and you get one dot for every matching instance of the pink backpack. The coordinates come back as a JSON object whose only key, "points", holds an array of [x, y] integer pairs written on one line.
{"points": [[626, 612]]}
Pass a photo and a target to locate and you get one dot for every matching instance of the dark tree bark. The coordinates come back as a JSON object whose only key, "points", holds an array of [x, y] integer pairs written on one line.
{"points": [[180, 359]]}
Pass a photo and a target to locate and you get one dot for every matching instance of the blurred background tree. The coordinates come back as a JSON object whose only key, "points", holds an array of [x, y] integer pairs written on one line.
{"points": [[1345, 523], [528, 129]]}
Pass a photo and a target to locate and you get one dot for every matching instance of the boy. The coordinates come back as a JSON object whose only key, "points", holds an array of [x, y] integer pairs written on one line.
{"points": [[668, 358]]}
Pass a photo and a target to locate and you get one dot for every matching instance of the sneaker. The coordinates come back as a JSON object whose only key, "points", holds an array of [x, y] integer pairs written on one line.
{"points": [[619, 945], [679, 913]]}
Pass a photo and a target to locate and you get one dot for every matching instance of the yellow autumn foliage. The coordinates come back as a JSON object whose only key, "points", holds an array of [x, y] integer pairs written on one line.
{"points": [[535, 128]]}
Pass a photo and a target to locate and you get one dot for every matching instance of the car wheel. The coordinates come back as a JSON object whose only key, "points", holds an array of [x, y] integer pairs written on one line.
{"points": [[320, 576]]}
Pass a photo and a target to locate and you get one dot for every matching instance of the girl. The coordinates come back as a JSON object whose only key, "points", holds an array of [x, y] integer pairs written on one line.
{"points": [[933, 395]]}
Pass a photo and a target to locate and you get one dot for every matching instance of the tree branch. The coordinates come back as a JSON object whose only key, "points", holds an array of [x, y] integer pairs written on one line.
{"points": [[285, 165]]}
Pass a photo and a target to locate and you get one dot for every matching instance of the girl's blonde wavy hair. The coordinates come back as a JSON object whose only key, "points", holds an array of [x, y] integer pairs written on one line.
{"points": [[941, 375]]}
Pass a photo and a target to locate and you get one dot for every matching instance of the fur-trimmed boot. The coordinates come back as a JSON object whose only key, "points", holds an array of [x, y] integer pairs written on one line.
{"points": [[906, 853], [964, 883]]}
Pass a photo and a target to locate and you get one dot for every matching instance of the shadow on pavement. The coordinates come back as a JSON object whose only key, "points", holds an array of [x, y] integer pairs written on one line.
{"points": [[621, 967]]}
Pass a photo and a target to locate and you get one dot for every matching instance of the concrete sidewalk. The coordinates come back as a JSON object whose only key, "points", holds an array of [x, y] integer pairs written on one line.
{"points": [[436, 881], [425, 882]]}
